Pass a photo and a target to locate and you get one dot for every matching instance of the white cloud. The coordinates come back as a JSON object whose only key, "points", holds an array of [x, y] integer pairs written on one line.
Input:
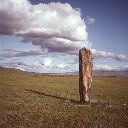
{"points": [[90, 20], [10, 53], [47, 62], [53, 26], [54, 65], [121, 57], [110, 68], [104, 54], [20, 68], [102, 67], [61, 66], [37, 64]]}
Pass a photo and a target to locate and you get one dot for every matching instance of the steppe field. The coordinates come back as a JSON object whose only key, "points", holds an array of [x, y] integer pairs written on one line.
{"points": [[29, 100]]}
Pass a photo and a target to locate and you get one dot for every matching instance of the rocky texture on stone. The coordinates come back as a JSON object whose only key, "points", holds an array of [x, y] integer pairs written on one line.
{"points": [[85, 75]]}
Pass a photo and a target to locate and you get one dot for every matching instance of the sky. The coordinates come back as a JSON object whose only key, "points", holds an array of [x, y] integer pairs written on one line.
{"points": [[45, 35]]}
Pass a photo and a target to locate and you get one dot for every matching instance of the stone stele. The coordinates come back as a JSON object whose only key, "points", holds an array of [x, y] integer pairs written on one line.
{"points": [[85, 75]]}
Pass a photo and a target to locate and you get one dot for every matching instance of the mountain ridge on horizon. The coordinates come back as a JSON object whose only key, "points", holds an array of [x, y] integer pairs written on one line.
{"points": [[94, 72]]}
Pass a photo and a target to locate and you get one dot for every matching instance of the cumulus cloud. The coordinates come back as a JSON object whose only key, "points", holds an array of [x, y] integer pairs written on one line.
{"points": [[10, 53], [20, 68], [101, 54], [38, 66], [110, 68], [2, 59], [56, 27], [126, 68], [17, 65], [90, 20], [104, 54], [103, 67], [121, 57], [49, 63]]}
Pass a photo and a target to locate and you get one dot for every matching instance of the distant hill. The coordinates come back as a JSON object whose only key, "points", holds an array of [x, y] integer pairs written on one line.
{"points": [[109, 73], [95, 72], [103, 73]]}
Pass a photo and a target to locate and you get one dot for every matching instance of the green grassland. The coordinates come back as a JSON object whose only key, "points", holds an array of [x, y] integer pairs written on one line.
{"points": [[29, 100]]}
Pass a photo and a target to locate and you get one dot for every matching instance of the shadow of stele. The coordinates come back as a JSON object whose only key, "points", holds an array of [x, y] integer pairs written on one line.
{"points": [[53, 96], [93, 103]]}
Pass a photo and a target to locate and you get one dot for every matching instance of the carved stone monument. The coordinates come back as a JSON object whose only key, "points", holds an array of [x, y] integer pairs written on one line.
{"points": [[85, 75]]}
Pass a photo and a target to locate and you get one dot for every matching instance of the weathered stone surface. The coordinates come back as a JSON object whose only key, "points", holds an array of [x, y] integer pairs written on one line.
{"points": [[85, 75]]}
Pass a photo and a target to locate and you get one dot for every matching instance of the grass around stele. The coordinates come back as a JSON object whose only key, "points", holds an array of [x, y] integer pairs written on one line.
{"points": [[29, 100]]}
